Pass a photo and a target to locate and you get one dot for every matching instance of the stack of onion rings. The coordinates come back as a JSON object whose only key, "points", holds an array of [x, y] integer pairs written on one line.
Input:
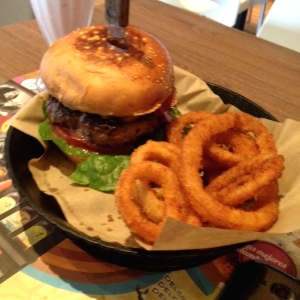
{"points": [[145, 217], [241, 183], [217, 170]]}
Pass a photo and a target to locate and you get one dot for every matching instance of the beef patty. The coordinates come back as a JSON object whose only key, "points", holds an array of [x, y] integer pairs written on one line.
{"points": [[102, 131]]}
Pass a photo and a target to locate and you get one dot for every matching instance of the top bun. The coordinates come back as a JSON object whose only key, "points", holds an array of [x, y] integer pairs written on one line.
{"points": [[85, 72]]}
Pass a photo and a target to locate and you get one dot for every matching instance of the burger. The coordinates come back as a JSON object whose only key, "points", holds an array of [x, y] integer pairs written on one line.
{"points": [[104, 98]]}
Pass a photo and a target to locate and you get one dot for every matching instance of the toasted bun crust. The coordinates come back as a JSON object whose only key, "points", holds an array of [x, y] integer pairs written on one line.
{"points": [[87, 73]]}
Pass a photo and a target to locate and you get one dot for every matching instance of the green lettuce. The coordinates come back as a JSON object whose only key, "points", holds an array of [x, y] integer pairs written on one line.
{"points": [[100, 172], [45, 133]]}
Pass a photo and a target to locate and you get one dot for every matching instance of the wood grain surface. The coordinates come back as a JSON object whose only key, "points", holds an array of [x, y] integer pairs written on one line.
{"points": [[265, 73]]}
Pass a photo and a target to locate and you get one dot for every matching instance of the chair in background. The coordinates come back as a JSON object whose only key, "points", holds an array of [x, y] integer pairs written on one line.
{"points": [[231, 13], [15, 11], [263, 4], [222, 11]]}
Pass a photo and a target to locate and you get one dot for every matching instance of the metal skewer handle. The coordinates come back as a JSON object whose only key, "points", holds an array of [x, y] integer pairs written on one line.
{"points": [[117, 12]]}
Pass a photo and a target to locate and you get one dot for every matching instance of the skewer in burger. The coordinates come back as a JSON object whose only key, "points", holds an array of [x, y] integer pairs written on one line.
{"points": [[106, 99]]}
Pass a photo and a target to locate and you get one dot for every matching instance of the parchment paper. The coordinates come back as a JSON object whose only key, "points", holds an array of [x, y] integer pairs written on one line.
{"points": [[95, 214]]}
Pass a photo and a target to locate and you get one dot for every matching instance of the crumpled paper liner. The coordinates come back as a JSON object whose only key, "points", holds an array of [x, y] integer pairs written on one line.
{"points": [[95, 214]]}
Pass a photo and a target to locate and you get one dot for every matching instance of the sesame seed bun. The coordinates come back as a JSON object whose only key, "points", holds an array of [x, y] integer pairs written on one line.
{"points": [[85, 72]]}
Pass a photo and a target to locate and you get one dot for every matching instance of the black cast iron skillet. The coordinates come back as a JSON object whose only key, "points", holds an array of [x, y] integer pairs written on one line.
{"points": [[20, 148]]}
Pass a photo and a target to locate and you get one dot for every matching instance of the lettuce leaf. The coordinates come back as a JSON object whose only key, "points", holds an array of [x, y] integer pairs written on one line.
{"points": [[45, 133], [100, 172]]}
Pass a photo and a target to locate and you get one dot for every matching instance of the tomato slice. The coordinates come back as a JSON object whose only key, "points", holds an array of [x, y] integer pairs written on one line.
{"points": [[76, 140], [164, 110], [169, 102]]}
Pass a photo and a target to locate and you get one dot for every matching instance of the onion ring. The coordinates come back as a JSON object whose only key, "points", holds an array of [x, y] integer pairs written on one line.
{"points": [[176, 129], [208, 208], [231, 148], [169, 155], [215, 170], [162, 152], [129, 207], [245, 180], [149, 200], [254, 130], [267, 194]]}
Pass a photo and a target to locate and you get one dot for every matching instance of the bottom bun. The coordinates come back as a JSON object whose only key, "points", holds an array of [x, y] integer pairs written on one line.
{"points": [[76, 159]]}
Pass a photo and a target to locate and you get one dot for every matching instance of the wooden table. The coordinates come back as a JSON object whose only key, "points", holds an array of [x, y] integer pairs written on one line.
{"points": [[259, 70]]}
